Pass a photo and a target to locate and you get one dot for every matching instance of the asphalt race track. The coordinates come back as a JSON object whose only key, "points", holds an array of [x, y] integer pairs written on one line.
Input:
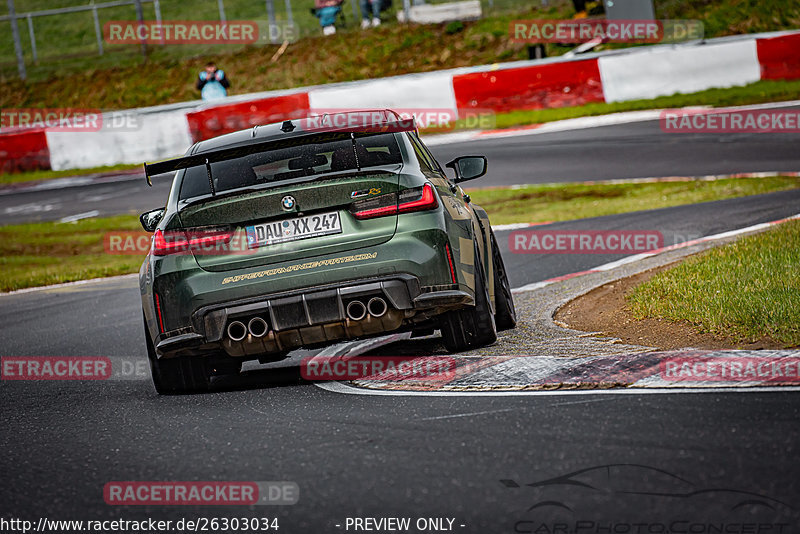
{"points": [[635, 150], [666, 462]]}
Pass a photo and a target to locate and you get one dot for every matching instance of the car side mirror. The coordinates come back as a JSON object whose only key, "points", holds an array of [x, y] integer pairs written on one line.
{"points": [[150, 219], [468, 167]]}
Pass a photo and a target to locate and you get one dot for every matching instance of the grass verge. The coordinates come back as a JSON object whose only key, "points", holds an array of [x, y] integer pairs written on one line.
{"points": [[39, 254], [560, 202], [748, 290]]}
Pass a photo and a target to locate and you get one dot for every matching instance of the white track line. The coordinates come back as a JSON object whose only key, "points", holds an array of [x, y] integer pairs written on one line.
{"points": [[79, 216], [68, 284], [456, 415], [338, 387]]}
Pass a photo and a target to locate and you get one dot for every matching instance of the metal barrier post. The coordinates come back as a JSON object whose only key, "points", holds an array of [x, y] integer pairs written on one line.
{"points": [[221, 7], [97, 29], [12, 14], [271, 18], [33, 39], [140, 18], [289, 16]]}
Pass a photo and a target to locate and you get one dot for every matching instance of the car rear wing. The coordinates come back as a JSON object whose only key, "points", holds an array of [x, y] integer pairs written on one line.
{"points": [[324, 128]]}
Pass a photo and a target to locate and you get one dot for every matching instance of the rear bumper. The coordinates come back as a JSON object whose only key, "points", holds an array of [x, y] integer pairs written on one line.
{"points": [[311, 316]]}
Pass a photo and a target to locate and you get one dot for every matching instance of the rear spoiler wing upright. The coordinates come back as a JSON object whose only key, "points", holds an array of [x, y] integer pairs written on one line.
{"points": [[325, 133]]}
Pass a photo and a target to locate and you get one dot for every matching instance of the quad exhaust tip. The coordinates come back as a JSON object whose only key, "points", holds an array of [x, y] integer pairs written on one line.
{"points": [[257, 327], [356, 310], [237, 331], [377, 307]]}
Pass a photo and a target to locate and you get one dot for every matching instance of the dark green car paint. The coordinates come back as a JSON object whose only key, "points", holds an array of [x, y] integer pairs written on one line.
{"points": [[409, 246]]}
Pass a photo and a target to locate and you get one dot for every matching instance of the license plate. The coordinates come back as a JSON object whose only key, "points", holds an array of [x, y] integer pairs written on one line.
{"points": [[260, 235]]}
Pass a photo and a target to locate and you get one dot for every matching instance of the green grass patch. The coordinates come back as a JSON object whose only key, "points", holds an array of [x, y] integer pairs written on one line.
{"points": [[123, 78], [39, 254], [748, 290], [565, 201]]}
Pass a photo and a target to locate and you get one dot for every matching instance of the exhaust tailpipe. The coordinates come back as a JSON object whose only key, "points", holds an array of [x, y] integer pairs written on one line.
{"points": [[237, 331], [356, 310], [377, 307], [257, 327]]}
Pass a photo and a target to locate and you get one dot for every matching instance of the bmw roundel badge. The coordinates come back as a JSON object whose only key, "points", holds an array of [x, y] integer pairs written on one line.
{"points": [[288, 202]]}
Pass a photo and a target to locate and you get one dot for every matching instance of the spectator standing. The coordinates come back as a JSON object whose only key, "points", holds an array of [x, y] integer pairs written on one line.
{"points": [[326, 11], [580, 9], [212, 83], [370, 9]]}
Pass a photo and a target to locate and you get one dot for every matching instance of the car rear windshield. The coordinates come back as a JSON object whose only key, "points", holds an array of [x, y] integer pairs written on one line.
{"points": [[294, 158]]}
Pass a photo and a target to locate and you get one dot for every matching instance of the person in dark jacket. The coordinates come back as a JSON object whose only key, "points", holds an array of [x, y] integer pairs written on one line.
{"points": [[212, 83], [580, 8]]}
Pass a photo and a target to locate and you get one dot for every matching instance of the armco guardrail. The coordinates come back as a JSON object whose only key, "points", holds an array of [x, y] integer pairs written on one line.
{"points": [[637, 73]]}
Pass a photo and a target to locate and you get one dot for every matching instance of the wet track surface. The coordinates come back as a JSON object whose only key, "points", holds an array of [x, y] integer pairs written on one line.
{"points": [[636, 150], [461, 457]]}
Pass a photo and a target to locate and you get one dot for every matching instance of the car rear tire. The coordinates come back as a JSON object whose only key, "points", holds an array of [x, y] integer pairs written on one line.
{"points": [[474, 326], [505, 314], [177, 375]]}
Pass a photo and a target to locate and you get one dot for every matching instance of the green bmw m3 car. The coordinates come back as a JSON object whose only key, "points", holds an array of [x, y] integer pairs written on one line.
{"points": [[297, 234]]}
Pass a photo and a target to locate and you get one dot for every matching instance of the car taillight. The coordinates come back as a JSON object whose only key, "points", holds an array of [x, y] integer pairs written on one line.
{"points": [[416, 199], [176, 241], [449, 254], [158, 310]]}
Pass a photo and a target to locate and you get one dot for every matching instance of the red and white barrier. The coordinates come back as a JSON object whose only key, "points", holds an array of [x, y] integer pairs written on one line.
{"points": [[664, 71], [150, 136], [24, 151], [432, 90], [209, 122], [632, 74], [779, 57], [550, 85]]}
